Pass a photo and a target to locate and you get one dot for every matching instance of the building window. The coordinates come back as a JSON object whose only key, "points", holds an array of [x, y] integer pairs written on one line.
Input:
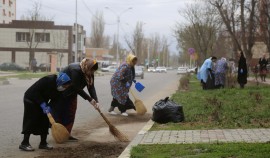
{"points": [[22, 36], [10, 3], [42, 37], [4, 1], [4, 22], [4, 12], [9, 14]]}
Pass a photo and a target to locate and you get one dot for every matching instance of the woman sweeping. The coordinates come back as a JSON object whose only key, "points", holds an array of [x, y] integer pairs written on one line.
{"points": [[120, 84], [36, 106], [81, 74]]}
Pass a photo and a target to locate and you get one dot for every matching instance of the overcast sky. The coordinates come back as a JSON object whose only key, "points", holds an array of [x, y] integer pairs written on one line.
{"points": [[159, 16]]}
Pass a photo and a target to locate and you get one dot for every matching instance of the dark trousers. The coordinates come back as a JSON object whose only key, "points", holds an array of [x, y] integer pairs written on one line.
{"points": [[122, 108]]}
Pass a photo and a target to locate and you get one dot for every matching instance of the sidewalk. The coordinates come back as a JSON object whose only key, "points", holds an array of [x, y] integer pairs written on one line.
{"points": [[261, 135]]}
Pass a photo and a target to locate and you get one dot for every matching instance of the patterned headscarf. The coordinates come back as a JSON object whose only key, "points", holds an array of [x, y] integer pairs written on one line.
{"points": [[130, 58], [86, 65]]}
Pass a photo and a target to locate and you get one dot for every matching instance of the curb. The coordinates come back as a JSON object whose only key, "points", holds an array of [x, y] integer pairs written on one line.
{"points": [[138, 138]]}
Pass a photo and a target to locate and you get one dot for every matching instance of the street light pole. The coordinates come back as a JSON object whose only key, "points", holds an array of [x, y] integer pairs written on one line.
{"points": [[118, 25]]}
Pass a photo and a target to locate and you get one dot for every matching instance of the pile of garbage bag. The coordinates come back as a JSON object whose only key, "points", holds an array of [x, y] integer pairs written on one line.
{"points": [[166, 110]]}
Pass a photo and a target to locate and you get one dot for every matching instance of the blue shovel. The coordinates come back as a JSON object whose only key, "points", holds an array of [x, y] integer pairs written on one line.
{"points": [[138, 86]]}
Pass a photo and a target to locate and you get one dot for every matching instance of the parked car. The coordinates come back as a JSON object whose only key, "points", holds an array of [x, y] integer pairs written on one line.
{"points": [[151, 69], [139, 72], [182, 70], [192, 70], [109, 69], [11, 67], [44, 67], [161, 69]]}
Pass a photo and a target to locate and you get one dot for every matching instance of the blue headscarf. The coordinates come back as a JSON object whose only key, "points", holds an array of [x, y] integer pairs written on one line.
{"points": [[62, 79]]}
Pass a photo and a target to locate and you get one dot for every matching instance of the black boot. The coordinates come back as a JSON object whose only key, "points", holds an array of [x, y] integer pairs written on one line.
{"points": [[43, 143], [25, 145]]}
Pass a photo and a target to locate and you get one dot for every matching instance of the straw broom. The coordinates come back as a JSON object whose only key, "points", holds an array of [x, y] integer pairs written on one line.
{"points": [[113, 130], [140, 108], [59, 132]]}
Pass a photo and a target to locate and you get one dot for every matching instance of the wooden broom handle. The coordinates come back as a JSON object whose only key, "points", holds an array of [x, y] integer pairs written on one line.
{"points": [[132, 93], [52, 121]]}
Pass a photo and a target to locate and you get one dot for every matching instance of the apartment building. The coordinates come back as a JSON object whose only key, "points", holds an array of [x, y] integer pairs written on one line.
{"points": [[21, 41], [8, 11]]}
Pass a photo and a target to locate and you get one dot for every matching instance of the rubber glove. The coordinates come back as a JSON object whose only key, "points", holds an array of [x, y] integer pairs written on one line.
{"points": [[46, 109]]}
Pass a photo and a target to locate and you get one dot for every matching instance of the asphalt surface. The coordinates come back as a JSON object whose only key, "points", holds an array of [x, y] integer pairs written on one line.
{"points": [[11, 111]]}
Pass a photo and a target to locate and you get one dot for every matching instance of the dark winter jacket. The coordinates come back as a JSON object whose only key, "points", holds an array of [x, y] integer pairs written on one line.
{"points": [[263, 64], [43, 90], [242, 70], [78, 82]]}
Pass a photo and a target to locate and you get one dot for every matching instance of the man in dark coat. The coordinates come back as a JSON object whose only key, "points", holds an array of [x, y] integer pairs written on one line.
{"points": [[36, 106], [242, 71]]}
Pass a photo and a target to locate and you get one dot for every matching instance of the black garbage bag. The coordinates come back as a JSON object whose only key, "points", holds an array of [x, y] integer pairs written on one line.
{"points": [[165, 111]]}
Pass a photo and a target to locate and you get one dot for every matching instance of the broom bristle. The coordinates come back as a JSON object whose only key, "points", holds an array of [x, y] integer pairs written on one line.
{"points": [[117, 134], [113, 130], [140, 108]]}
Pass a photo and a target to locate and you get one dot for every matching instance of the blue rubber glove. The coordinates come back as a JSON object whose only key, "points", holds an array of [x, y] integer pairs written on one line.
{"points": [[127, 84], [46, 109], [134, 81], [241, 71]]}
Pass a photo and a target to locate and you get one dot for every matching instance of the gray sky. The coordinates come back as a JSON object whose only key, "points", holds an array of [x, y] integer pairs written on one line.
{"points": [[159, 16]]}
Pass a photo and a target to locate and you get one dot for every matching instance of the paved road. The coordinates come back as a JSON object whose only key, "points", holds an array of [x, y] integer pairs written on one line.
{"points": [[11, 111]]}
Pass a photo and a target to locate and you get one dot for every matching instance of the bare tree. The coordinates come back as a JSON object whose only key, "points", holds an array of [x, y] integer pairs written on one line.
{"points": [[200, 32], [136, 43], [239, 12], [36, 32], [264, 17], [97, 33]]}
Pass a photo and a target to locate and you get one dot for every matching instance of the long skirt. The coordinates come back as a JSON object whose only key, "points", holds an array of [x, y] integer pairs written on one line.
{"points": [[34, 120], [122, 108], [220, 78], [64, 111]]}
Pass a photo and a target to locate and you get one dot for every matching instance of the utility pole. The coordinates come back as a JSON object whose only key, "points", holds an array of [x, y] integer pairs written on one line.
{"points": [[117, 33], [76, 33]]}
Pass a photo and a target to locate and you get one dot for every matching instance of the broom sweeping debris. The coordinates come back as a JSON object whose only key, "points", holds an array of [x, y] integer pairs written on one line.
{"points": [[140, 108], [59, 132], [113, 130]]}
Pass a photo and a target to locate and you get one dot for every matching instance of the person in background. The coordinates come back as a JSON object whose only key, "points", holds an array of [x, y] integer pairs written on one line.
{"points": [[37, 105], [121, 82], [242, 70], [263, 62], [220, 73], [82, 75], [206, 73], [34, 65]]}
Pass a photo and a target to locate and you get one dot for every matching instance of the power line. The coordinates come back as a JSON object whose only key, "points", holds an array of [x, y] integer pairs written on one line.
{"points": [[94, 14]]}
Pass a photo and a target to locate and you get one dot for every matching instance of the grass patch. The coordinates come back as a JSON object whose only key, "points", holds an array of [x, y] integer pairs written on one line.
{"points": [[222, 108], [219, 150], [24, 75]]}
